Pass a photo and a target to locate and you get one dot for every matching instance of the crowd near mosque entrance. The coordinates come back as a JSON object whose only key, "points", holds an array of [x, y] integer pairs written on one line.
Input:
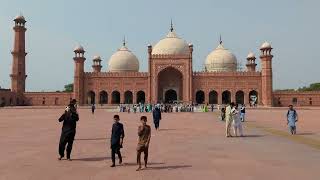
{"points": [[170, 82]]}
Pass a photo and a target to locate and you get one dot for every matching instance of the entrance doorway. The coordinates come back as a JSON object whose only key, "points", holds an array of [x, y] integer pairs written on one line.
{"points": [[170, 96], [170, 83]]}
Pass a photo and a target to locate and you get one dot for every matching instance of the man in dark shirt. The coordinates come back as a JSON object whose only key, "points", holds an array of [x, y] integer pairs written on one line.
{"points": [[117, 136], [156, 117], [93, 107], [144, 133], [69, 118]]}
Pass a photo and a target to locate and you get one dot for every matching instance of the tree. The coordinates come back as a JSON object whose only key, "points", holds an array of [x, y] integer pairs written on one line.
{"points": [[68, 88], [312, 87]]}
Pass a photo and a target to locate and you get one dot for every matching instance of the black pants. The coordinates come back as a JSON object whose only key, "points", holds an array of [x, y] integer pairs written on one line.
{"points": [[156, 123], [115, 150], [66, 138]]}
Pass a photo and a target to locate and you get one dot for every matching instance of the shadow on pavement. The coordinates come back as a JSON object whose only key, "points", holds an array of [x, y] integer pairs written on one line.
{"points": [[169, 167], [167, 129], [92, 159], [253, 135], [305, 133], [135, 164], [91, 139]]}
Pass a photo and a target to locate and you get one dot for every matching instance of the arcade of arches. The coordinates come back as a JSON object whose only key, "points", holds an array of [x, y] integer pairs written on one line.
{"points": [[226, 97], [115, 97]]}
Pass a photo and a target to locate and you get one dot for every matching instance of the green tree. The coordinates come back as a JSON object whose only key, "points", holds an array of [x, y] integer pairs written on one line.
{"points": [[311, 87], [68, 88]]}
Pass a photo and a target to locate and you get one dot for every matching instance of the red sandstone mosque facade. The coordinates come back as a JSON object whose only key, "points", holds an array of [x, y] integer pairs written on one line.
{"points": [[170, 78]]}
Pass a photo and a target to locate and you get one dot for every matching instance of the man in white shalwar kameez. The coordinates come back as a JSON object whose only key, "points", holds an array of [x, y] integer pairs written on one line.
{"points": [[237, 126], [228, 118]]}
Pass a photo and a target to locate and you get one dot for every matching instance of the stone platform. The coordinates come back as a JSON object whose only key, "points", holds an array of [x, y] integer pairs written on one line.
{"points": [[188, 146]]}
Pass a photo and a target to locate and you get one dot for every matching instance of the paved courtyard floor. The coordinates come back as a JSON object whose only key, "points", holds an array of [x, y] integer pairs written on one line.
{"points": [[188, 146]]}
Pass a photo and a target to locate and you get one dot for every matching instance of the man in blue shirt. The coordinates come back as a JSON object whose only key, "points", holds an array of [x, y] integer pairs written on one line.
{"points": [[292, 118]]}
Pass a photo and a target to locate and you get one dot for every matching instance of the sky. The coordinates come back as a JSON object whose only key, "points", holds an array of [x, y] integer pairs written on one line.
{"points": [[54, 28]]}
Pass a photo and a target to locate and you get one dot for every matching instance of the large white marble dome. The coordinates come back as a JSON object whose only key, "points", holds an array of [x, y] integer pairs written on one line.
{"points": [[221, 59], [123, 60], [171, 44]]}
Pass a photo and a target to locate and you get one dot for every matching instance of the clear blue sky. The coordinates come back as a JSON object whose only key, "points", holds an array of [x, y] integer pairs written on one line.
{"points": [[55, 27]]}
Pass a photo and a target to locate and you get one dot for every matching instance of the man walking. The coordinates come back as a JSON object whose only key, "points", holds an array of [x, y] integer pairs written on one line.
{"points": [[117, 136], [93, 107], [144, 133], [228, 119], [156, 117], [292, 118], [69, 119]]}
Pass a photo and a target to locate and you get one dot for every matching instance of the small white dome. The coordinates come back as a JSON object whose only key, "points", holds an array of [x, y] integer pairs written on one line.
{"points": [[172, 44], [221, 59], [19, 17], [96, 57], [123, 60], [78, 48], [251, 55], [266, 45]]}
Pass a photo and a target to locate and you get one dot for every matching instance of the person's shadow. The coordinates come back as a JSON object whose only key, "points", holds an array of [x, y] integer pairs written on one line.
{"points": [[173, 167], [92, 159], [167, 129], [153, 166], [252, 136], [305, 133], [90, 139]]}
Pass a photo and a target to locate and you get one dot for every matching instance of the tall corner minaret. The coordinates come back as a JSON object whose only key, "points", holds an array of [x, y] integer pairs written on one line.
{"points": [[266, 72], [78, 83], [251, 62], [96, 64], [18, 74]]}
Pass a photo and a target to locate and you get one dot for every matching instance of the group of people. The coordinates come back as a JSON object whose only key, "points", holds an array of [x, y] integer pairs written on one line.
{"points": [[167, 108], [232, 115], [70, 118], [117, 136]]}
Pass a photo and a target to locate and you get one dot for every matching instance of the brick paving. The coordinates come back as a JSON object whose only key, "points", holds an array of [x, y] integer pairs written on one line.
{"points": [[188, 146]]}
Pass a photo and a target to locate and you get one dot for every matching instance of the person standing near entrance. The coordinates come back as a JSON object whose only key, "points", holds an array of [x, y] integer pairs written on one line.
{"points": [[228, 118], [69, 119], [117, 135], [292, 118], [156, 117], [242, 112], [144, 133], [93, 108]]}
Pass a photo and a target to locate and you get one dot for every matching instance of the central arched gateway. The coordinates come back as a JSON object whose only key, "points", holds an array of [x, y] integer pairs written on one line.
{"points": [[170, 83]]}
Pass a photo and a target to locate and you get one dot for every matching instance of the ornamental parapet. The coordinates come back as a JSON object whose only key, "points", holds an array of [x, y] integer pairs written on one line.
{"points": [[234, 74], [170, 56], [48, 93], [117, 74], [296, 92]]}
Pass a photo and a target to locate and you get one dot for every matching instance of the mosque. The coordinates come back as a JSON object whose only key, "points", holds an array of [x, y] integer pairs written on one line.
{"points": [[170, 77]]}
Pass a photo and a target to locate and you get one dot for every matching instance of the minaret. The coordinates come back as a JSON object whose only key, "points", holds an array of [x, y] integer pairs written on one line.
{"points": [[78, 88], [96, 64], [266, 72], [251, 62], [18, 74]]}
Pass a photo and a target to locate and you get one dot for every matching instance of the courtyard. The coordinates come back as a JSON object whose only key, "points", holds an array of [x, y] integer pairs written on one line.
{"points": [[188, 146]]}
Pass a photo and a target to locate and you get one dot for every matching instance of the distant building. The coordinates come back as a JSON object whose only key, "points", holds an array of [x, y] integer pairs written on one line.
{"points": [[170, 77]]}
